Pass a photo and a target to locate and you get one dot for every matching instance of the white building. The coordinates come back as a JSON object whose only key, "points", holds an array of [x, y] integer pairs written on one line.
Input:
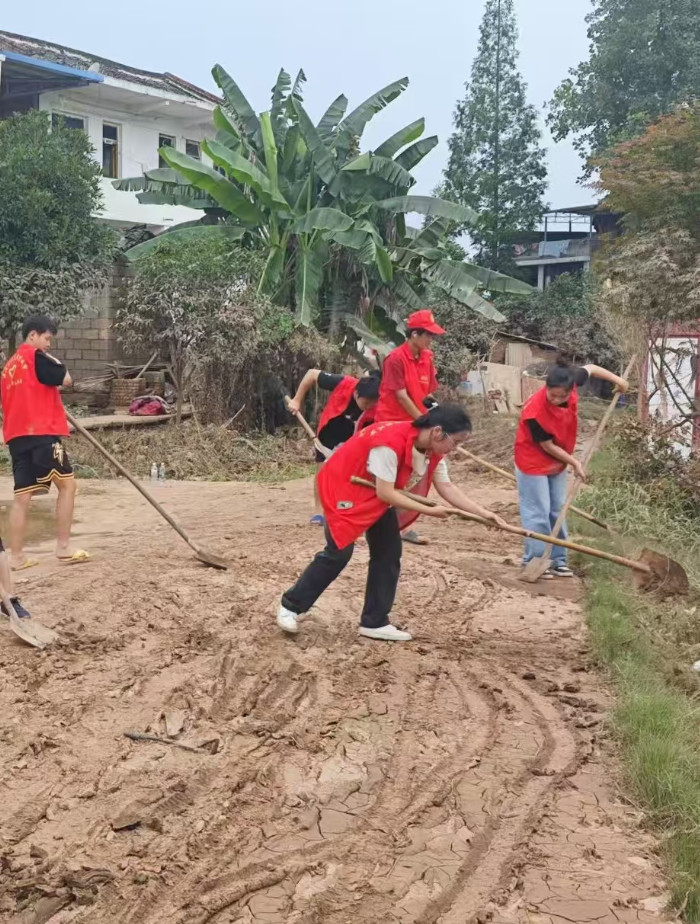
{"points": [[128, 115]]}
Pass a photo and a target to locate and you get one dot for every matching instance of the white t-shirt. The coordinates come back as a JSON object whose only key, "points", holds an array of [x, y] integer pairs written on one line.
{"points": [[383, 463]]}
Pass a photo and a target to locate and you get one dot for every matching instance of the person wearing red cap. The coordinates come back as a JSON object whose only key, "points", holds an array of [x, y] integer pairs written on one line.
{"points": [[408, 378]]}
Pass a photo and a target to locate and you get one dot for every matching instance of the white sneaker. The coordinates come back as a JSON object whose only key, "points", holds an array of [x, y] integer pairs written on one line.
{"points": [[287, 620], [387, 633]]}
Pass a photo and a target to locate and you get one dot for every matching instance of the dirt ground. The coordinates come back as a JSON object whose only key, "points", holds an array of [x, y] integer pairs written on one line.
{"points": [[466, 777]]}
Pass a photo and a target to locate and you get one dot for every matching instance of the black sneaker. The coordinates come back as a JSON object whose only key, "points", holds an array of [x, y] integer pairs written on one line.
{"points": [[22, 613], [561, 571]]}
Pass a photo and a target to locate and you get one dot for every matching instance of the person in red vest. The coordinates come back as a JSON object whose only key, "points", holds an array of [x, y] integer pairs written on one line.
{"points": [[34, 425], [349, 408], [544, 447], [391, 452], [408, 378]]}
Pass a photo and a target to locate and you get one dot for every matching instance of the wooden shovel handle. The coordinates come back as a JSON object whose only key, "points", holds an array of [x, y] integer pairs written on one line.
{"points": [[129, 477], [517, 530], [511, 477], [318, 445]]}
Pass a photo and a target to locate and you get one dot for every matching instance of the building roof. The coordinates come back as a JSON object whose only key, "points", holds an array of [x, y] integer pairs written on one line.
{"points": [[518, 339], [84, 61]]}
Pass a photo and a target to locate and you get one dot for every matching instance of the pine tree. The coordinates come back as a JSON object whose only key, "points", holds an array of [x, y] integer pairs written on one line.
{"points": [[496, 163]]}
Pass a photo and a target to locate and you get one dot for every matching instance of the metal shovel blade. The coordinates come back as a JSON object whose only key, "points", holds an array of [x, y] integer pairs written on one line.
{"points": [[208, 558], [30, 631], [665, 576], [535, 568]]}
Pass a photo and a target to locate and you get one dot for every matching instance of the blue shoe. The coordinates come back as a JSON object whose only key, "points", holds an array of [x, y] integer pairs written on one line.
{"points": [[318, 519], [18, 608]]}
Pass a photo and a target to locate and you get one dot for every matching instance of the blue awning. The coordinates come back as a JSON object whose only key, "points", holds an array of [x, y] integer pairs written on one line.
{"points": [[23, 76]]}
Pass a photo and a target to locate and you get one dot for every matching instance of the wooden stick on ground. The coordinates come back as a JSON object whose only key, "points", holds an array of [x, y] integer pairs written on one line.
{"points": [[141, 736]]}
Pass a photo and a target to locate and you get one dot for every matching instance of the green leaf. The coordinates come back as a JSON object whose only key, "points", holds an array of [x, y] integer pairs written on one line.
{"points": [[429, 206], [322, 219], [432, 234], [238, 103], [401, 138], [271, 277], [456, 281], [308, 276], [227, 133], [383, 167], [271, 154], [332, 117], [220, 188], [280, 92], [297, 89], [406, 293], [384, 265], [193, 233], [323, 162], [497, 282], [412, 156], [246, 173], [364, 333], [354, 124]]}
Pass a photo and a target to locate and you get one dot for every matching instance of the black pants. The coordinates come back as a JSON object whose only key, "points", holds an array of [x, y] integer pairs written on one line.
{"points": [[384, 541]]}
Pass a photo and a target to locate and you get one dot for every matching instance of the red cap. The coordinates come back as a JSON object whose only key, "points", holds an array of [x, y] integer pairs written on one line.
{"points": [[424, 320]]}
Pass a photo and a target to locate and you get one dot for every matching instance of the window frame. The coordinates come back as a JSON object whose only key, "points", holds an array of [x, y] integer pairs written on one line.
{"points": [[56, 114], [192, 141], [173, 145], [113, 143]]}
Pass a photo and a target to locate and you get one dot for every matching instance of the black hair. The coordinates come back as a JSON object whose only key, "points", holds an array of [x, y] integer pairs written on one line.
{"points": [[451, 418], [564, 375], [368, 387], [417, 330], [39, 323]]}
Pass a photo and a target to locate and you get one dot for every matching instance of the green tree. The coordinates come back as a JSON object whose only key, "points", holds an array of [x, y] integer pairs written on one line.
{"points": [[52, 248], [330, 219], [496, 164], [644, 59]]}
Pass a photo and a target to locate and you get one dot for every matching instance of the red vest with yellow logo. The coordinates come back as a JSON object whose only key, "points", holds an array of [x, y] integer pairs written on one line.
{"points": [[28, 407]]}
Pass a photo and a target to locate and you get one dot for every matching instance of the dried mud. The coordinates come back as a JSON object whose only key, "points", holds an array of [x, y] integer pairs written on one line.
{"points": [[463, 778]]}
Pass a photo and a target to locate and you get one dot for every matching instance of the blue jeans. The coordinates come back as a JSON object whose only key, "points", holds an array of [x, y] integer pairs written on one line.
{"points": [[541, 498]]}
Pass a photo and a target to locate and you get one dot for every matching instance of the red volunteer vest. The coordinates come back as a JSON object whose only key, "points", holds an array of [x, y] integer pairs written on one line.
{"points": [[419, 377], [29, 408], [351, 509], [561, 422], [338, 401]]}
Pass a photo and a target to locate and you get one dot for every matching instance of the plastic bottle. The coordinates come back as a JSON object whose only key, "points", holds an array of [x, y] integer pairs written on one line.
{"points": [[161, 472], [154, 472]]}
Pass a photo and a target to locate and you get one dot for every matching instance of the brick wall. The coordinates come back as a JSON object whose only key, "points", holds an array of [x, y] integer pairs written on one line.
{"points": [[88, 343]]}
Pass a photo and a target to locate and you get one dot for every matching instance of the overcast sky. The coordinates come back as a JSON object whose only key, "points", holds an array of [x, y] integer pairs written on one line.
{"points": [[354, 48]]}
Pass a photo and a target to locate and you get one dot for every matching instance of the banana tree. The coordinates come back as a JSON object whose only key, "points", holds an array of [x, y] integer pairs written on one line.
{"points": [[307, 195]]}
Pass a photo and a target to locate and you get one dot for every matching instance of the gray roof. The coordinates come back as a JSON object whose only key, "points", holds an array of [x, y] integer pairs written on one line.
{"points": [[83, 60]]}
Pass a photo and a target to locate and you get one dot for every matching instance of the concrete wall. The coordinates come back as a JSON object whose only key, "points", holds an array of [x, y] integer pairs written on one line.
{"points": [[88, 343]]}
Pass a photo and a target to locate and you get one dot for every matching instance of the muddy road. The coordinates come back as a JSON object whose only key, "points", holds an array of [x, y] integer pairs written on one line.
{"points": [[465, 777]]}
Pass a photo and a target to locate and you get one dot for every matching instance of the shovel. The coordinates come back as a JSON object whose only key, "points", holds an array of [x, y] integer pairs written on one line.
{"points": [[318, 445], [214, 561], [536, 567], [511, 477], [30, 631], [653, 570]]}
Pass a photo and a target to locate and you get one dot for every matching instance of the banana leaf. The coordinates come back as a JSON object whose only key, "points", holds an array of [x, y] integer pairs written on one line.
{"points": [[322, 219], [401, 138], [412, 156], [354, 124], [219, 188], [323, 162], [332, 117], [429, 206], [245, 172], [239, 105], [308, 276]]}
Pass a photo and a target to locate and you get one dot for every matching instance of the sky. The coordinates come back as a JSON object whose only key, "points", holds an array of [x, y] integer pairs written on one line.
{"points": [[355, 48]]}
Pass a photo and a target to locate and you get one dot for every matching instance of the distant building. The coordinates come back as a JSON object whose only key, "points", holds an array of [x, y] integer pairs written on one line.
{"points": [[127, 113], [565, 244]]}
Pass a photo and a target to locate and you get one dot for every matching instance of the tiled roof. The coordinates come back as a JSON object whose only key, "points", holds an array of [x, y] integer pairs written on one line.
{"points": [[82, 60]]}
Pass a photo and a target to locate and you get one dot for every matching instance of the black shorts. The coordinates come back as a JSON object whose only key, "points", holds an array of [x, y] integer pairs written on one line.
{"points": [[38, 461]]}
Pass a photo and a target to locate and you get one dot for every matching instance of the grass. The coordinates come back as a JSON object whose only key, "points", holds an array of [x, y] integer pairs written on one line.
{"points": [[648, 646], [658, 726]]}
